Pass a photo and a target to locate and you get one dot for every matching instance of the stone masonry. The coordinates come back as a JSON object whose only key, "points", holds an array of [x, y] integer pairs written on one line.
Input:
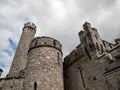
{"points": [[93, 65]]}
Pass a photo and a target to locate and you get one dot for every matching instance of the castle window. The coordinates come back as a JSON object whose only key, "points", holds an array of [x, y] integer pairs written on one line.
{"points": [[86, 51], [54, 43], [58, 57], [35, 85], [104, 43], [97, 46], [101, 48], [82, 77]]}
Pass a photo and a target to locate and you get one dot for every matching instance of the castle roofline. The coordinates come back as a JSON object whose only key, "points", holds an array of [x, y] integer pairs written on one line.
{"points": [[47, 37], [45, 41]]}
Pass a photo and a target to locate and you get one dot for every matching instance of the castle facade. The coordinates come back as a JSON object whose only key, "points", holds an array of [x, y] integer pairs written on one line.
{"points": [[37, 65]]}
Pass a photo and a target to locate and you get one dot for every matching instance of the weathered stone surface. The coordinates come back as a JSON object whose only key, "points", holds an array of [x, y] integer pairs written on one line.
{"points": [[97, 67], [44, 66]]}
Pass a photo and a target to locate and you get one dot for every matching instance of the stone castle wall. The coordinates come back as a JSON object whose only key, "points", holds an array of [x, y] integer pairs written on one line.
{"points": [[97, 67], [11, 83]]}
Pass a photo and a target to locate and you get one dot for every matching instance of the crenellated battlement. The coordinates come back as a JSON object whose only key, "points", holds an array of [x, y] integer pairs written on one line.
{"points": [[110, 46], [76, 54], [30, 25], [45, 41]]}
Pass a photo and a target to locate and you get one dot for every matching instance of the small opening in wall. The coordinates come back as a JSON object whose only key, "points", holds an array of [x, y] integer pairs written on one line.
{"points": [[35, 42], [54, 43], [45, 42], [104, 43], [101, 48], [86, 51], [94, 78], [110, 45], [58, 57], [35, 85]]}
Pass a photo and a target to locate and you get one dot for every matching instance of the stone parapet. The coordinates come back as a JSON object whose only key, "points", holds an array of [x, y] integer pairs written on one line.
{"points": [[30, 25], [73, 56], [45, 41]]}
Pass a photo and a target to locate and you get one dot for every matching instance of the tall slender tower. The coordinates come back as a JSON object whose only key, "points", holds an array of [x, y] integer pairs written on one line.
{"points": [[44, 66], [91, 42], [20, 58]]}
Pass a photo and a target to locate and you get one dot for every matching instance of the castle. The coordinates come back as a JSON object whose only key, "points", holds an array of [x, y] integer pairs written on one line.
{"points": [[37, 65]]}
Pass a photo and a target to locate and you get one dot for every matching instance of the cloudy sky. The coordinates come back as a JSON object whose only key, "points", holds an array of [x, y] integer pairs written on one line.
{"points": [[60, 19]]}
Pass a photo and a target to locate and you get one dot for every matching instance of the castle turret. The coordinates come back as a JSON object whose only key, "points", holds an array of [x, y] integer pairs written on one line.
{"points": [[91, 42], [20, 59], [1, 72], [44, 66]]}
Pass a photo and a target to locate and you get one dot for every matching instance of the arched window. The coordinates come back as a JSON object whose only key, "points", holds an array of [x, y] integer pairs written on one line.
{"points": [[35, 85]]}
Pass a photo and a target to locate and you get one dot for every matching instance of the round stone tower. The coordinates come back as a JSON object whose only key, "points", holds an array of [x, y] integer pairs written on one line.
{"points": [[44, 66], [1, 72], [20, 58]]}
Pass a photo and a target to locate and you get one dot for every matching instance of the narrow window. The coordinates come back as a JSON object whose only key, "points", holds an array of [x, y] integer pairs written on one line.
{"points": [[104, 43], [35, 85], [81, 76], [54, 43], [86, 51], [58, 57], [101, 48], [66, 83], [97, 46]]}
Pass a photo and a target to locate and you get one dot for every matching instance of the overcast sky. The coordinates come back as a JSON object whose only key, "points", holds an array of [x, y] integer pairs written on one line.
{"points": [[60, 19]]}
